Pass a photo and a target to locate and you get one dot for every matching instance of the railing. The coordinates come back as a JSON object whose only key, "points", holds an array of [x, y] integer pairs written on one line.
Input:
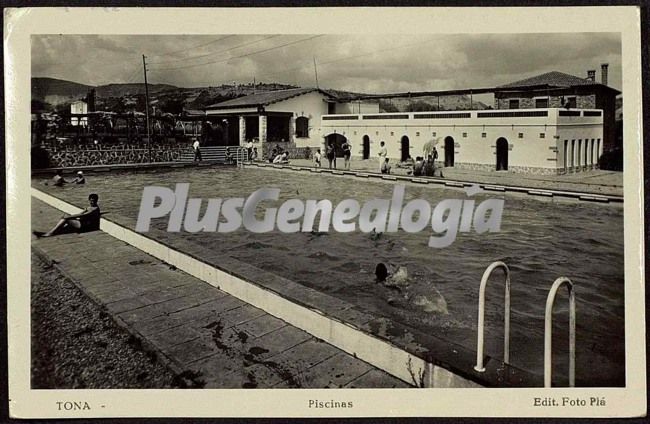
{"points": [[481, 315], [241, 156], [474, 114], [548, 332]]}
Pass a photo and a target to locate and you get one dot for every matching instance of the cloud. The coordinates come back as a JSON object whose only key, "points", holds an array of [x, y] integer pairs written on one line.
{"points": [[363, 63]]}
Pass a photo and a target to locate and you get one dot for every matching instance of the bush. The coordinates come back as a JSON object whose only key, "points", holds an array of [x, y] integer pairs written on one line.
{"points": [[40, 158], [612, 160]]}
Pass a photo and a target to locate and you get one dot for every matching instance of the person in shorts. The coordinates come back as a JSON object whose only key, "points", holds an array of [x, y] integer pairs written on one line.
{"points": [[383, 153], [331, 155], [317, 158], [347, 152]]}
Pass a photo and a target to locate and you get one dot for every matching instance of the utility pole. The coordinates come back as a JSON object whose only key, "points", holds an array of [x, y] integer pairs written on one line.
{"points": [[146, 96], [316, 72]]}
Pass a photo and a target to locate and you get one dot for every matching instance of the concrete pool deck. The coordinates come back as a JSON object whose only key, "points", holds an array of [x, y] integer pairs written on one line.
{"points": [[600, 185], [591, 186], [200, 332]]}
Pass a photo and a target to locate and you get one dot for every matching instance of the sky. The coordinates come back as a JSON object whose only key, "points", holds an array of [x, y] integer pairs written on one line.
{"points": [[374, 63]]}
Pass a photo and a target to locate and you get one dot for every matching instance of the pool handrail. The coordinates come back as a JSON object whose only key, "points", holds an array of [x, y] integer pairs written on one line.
{"points": [[241, 155], [479, 367], [548, 331]]}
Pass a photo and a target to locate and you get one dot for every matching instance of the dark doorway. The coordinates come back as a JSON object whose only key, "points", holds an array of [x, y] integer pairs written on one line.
{"points": [[215, 133], [252, 127], [405, 148], [449, 151], [366, 147], [338, 141], [277, 129], [502, 154]]}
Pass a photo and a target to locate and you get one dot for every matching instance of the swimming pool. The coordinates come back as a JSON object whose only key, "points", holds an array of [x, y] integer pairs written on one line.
{"points": [[539, 240]]}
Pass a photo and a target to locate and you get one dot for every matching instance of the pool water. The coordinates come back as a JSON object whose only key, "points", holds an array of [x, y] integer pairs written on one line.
{"points": [[540, 240]]}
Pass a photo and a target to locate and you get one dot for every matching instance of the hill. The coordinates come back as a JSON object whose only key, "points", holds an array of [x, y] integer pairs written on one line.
{"points": [[56, 91], [421, 104], [132, 89]]}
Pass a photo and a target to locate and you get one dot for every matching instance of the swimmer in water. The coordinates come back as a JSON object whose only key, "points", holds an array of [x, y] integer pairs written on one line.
{"points": [[425, 297]]}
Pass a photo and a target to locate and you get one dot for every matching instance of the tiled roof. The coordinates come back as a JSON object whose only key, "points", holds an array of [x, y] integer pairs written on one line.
{"points": [[553, 79], [263, 99]]}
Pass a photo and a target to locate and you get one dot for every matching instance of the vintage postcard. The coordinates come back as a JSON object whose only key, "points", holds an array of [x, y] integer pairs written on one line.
{"points": [[325, 212]]}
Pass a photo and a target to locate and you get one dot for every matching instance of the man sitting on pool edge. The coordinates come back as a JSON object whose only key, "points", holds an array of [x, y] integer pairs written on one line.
{"points": [[88, 220]]}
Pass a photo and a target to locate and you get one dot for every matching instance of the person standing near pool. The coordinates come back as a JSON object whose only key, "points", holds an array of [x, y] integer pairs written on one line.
{"points": [[382, 154], [347, 152], [249, 149], [317, 158], [331, 155], [197, 150]]}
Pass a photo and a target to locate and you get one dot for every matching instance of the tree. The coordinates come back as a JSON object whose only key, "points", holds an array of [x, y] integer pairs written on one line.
{"points": [[40, 106], [387, 107], [420, 106], [173, 106]]}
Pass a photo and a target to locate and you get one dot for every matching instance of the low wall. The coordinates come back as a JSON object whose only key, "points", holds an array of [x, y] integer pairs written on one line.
{"points": [[67, 158], [294, 152], [533, 170]]}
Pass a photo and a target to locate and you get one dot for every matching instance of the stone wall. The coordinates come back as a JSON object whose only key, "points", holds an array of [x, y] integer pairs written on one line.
{"points": [[88, 157], [513, 169], [528, 101], [294, 152]]}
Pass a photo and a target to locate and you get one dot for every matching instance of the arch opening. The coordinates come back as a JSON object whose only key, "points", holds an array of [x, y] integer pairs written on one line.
{"points": [[450, 145], [502, 154]]}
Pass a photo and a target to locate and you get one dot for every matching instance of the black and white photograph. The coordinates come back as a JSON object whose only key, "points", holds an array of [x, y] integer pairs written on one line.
{"points": [[330, 210]]}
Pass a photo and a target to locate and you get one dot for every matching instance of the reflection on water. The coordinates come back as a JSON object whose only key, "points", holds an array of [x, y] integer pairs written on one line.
{"points": [[539, 240]]}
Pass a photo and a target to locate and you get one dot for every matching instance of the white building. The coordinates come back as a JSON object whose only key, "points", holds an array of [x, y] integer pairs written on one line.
{"points": [[541, 141], [291, 116], [79, 107]]}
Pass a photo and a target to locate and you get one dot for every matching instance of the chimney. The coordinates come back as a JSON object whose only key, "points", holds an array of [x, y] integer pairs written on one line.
{"points": [[603, 73], [591, 75]]}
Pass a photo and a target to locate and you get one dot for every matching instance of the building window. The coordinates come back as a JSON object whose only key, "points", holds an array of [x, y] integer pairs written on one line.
{"points": [[302, 127], [542, 135], [417, 133], [483, 135], [331, 108], [392, 133], [541, 103], [513, 104], [570, 102], [520, 135], [433, 134], [376, 132], [464, 135]]}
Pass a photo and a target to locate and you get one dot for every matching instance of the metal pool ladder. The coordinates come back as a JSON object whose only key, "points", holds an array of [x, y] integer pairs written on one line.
{"points": [[481, 315], [548, 324], [548, 332], [241, 155]]}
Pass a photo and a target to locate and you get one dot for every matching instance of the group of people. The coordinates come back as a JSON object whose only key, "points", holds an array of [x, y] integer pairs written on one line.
{"points": [[418, 167], [278, 155], [426, 167], [59, 181], [252, 151], [330, 153]]}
